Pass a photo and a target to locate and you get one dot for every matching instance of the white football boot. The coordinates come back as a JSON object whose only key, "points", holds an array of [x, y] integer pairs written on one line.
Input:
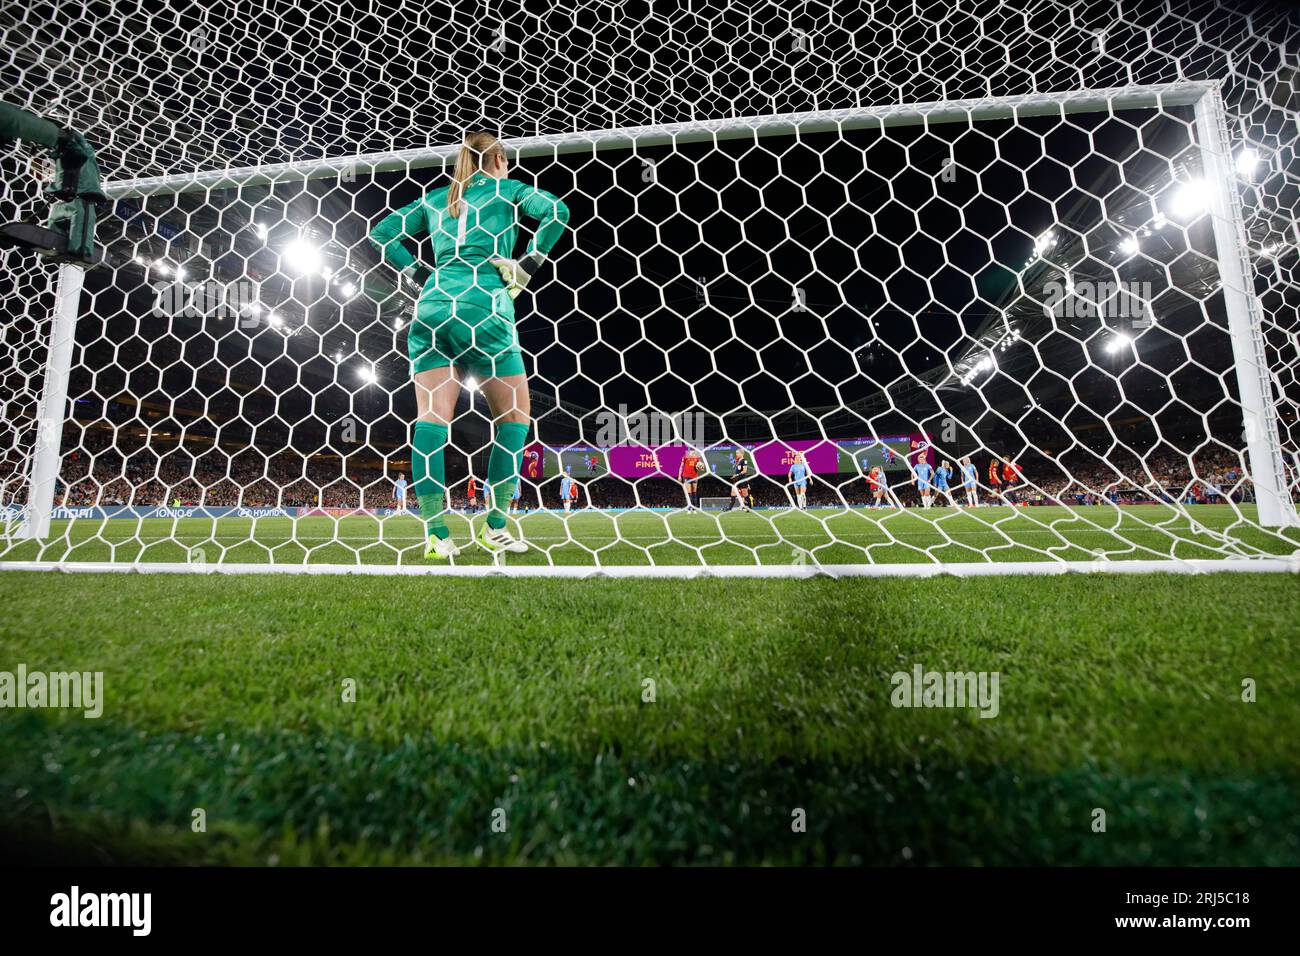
{"points": [[499, 539], [440, 548]]}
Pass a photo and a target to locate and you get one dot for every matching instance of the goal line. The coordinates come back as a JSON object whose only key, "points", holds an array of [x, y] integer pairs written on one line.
{"points": [[970, 569]]}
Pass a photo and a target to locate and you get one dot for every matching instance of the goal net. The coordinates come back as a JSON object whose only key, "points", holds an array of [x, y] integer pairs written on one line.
{"points": [[1006, 331]]}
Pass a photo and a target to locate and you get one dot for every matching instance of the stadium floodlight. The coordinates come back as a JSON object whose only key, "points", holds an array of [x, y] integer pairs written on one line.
{"points": [[1189, 199], [296, 380], [1129, 245], [302, 257], [1247, 162]]}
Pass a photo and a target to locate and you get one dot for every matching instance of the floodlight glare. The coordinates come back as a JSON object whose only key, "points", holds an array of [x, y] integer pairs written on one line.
{"points": [[301, 257], [1189, 199], [1247, 162]]}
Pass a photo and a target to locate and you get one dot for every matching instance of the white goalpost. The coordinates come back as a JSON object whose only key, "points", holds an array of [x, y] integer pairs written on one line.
{"points": [[1040, 395]]}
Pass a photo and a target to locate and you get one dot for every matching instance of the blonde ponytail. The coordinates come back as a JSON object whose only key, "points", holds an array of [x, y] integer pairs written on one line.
{"points": [[474, 154]]}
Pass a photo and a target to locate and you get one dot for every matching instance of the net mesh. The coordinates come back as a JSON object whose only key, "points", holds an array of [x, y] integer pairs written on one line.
{"points": [[889, 293]]}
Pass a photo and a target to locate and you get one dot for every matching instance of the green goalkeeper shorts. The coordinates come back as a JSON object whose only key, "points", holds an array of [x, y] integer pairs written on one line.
{"points": [[481, 342]]}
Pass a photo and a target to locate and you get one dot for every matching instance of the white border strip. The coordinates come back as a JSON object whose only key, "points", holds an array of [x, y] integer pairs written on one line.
{"points": [[971, 570]]}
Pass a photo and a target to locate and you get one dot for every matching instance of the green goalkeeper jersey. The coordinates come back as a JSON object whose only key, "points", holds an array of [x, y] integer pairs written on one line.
{"points": [[464, 246]]}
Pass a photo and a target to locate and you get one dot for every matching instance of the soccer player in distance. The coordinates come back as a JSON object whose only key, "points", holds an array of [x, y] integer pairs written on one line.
{"points": [[472, 491], [924, 473], [464, 322], [399, 492], [567, 487], [995, 479], [942, 477], [1011, 478], [689, 475], [969, 479], [533, 472], [739, 480], [798, 478], [878, 484]]}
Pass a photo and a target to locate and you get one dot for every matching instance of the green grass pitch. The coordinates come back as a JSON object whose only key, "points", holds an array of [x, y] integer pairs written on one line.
{"points": [[523, 701]]}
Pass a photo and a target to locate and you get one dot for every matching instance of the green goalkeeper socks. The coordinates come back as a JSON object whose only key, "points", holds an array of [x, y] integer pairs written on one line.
{"points": [[508, 441], [429, 475], [429, 472]]}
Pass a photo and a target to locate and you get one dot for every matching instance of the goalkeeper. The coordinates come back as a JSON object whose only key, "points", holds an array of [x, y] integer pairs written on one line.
{"points": [[465, 322]]}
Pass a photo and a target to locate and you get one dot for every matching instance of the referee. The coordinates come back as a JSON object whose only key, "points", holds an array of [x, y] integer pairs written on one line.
{"points": [[739, 481]]}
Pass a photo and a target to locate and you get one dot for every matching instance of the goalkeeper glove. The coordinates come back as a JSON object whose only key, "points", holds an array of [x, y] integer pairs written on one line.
{"points": [[516, 273], [415, 276]]}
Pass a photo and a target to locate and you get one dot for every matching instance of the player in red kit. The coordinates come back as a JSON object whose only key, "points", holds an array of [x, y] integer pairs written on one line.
{"points": [[689, 476], [1011, 477], [995, 477], [472, 490], [532, 470]]}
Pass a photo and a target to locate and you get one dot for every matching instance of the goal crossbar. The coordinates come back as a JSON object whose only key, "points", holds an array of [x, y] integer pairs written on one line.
{"points": [[699, 131]]}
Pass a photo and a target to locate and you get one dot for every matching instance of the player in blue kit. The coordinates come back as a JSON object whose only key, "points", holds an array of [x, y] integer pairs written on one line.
{"points": [[969, 479], [798, 477], [566, 485], [942, 475], [399, 491], [878, 485], [924, 472]]}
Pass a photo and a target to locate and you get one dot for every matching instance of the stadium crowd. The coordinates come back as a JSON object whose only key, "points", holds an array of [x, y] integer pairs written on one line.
{"points": [[101, 471]]}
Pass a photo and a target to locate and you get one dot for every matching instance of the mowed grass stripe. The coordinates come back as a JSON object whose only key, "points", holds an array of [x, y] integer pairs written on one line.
{"points": [[528, 695]]}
